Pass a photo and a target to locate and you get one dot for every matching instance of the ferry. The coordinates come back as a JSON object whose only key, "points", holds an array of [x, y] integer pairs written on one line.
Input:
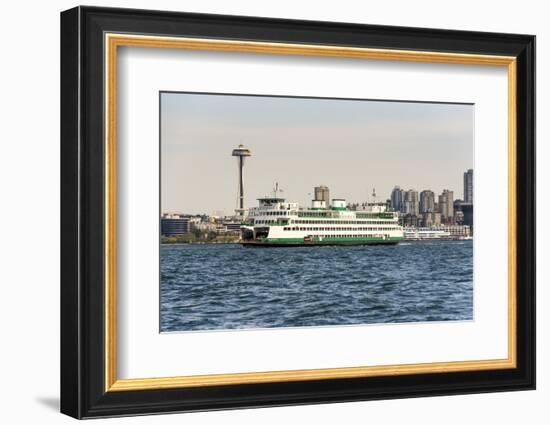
{"points": [[277, 223]]}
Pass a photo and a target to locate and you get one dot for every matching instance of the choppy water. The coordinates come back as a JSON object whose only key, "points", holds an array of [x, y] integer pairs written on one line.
{"points": [[229, 287]]}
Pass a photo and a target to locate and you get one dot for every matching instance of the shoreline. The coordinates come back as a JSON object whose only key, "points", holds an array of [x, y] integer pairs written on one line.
{"points": [[239, 243]]}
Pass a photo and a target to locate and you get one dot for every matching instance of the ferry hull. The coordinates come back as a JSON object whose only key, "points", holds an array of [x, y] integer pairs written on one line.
{"points": [[283, 244]]}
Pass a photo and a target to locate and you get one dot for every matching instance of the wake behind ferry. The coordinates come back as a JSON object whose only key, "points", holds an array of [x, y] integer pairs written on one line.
{"points": [[277, 223]]}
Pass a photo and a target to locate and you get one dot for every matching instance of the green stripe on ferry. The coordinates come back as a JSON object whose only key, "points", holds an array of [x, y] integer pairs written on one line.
{"points": [[315, 240]]}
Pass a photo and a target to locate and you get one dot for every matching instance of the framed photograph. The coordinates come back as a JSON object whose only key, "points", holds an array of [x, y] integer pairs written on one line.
{"points": [[261, 212]]}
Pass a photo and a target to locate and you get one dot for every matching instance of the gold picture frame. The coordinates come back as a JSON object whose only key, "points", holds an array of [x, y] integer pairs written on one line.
{"points": [[114, 41]]}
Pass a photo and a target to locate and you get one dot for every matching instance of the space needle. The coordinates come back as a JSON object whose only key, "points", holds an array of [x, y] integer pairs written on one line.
{"points": [[241, 152]]}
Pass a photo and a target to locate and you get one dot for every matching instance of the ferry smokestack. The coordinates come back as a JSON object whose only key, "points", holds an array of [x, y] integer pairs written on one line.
{"points": [[241, 152]]}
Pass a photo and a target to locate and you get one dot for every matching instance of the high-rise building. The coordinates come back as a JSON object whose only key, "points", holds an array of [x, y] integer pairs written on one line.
{"points": [[427, 201], [411, 202], [446, 205], [469, 187], [396, 198], [322, 193]]}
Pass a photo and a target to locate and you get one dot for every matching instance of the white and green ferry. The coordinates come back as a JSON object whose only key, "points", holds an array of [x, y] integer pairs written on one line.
{"points": [[276, 223]]}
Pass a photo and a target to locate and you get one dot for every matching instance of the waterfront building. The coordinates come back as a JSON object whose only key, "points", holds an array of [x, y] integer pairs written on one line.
{"points": [[469, 186], [466, 210], [431, 219], [446, 206], [427, 201], [411, 202], [410, 220], [194, 221], [232, 226], [425, 233], [322, 193], [457, 231], [459, 216], [396, 198], [206, 226], [428, 219], [437, 232], [174, 225]]}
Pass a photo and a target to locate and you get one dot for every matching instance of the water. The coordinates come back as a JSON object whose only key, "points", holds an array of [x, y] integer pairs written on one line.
{"points": [[206, 287]]}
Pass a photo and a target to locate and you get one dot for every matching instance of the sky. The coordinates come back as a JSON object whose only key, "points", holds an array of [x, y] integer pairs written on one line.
{"points": [[351, 146]]}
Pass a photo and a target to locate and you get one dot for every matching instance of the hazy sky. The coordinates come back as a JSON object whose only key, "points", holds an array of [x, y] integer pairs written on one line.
{"points": [[350, 146]]}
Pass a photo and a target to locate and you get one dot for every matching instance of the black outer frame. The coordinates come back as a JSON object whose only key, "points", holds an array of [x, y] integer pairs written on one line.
{"points": [[82, 206]]}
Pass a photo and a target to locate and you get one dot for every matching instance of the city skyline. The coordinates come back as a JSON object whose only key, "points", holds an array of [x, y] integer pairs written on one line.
{"points": [[422, 208], [350, 146]]}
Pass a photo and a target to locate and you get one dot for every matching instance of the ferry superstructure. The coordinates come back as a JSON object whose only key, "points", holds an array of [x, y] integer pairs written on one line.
{"points": [[275, 222]]}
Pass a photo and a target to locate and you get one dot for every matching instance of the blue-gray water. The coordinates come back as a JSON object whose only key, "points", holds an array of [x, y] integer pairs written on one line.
{"points": [[229, 287]]}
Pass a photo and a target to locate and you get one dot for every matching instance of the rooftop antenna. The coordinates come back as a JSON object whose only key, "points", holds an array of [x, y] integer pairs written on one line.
{"points": [[276, 190], [241, 153]]}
